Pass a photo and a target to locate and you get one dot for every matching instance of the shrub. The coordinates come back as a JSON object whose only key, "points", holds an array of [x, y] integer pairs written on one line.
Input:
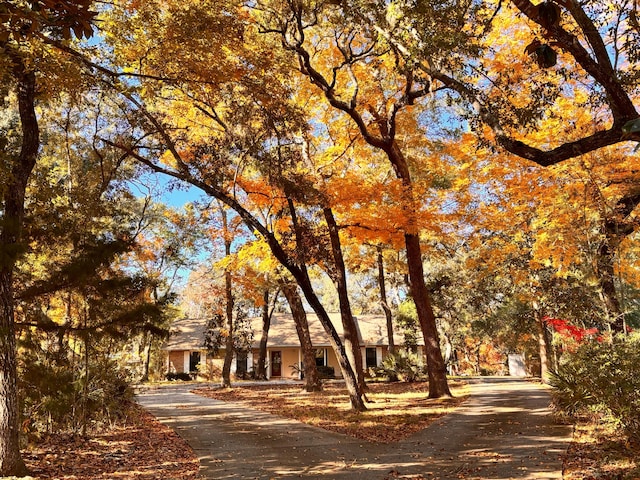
{"points": [[324, 371], [49, 393], [404, 365], [57, 396], [183, 376], [248, 375], [602, 377], [109, 392]]}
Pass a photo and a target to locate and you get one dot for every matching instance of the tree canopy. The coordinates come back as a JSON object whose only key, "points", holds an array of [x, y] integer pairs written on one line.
{"points": [[466, 167]]}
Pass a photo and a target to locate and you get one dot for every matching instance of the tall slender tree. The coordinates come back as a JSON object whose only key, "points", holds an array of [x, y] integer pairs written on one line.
{"points": [[14, 188], [17, 39]]}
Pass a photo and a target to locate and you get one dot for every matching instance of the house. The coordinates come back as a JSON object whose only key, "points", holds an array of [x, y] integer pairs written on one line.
{"points": [[186, 353]]}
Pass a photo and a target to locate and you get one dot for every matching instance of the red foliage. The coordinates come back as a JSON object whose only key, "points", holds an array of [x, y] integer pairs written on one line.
{"points": [[565, 329]]}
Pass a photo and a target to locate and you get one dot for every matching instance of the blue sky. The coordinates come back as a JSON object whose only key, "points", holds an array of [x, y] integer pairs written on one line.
{"points": [[165, 189]]}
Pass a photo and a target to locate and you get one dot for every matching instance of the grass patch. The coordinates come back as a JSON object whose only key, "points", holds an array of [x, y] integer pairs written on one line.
{"points": [[395, 410]]}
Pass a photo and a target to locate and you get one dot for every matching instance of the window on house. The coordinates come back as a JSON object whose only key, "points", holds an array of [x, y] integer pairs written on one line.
{"points": [[194, 361], [372, 357], [241, 363], [321, 358]]}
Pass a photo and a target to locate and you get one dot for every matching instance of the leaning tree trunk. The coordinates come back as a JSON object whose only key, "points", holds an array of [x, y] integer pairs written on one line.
{"points": [[311, 377], [14, 187], [304, 282], [297, 269], [351, 337], [351, 383], [350, 380]]}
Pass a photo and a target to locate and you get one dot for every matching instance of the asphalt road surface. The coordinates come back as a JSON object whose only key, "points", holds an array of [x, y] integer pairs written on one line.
{"points": [[504, 431]]}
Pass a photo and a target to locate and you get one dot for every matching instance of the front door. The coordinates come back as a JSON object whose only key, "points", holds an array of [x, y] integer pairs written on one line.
{"points": [[276, 364]]}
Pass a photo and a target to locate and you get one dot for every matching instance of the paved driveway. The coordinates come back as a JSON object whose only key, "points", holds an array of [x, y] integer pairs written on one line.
{"points": [[504, 431]]}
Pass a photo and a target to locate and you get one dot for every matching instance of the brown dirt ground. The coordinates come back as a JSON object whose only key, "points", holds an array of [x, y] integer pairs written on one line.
{"points": [[395, 410], [599, 452], [143, 449]]}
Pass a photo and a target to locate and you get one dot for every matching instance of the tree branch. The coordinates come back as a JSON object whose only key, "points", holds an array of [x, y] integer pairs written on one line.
{"points": [[600, 69]]}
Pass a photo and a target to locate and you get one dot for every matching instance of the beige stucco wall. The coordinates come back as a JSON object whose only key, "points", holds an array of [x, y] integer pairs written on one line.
{"points": [[212, 367], [289, 357], [332, 361]]}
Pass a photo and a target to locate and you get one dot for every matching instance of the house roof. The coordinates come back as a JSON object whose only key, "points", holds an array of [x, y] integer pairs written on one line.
{"points": [[188, 333]]}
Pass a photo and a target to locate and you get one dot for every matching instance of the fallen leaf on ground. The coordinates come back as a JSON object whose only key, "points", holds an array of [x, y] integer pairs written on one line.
{"points": [[143, 449]]}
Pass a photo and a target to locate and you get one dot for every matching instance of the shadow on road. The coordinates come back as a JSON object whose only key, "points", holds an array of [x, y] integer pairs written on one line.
{"points": [[504, 431]]}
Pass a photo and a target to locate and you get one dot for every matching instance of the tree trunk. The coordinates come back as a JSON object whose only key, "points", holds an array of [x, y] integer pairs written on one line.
{"points": [[312, 380], [383, 299], [147, 358], [351, 337], [386, 142], [619, 225], [229, 304], [543, 348], [351, 383], [293, 265], [261, 369], [10, 461], [85, 387], [350, 380], [14, 188], [436, 368], [606, 278], [304, 282]]}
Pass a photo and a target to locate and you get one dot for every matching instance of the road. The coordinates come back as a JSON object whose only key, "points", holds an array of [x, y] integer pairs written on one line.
{"points": [[504, 431]]}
